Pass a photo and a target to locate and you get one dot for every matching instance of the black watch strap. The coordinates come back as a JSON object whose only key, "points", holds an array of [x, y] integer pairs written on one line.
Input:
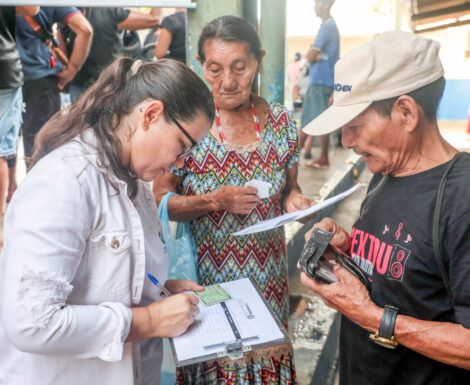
{"points": [[387, 322]]}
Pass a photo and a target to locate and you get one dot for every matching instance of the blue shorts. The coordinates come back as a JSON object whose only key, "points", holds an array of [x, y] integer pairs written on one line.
{"points": [[315, 102], [11, 109]]}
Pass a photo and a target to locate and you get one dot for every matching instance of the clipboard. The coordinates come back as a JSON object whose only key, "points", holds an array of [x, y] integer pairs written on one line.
{"points": [[224, 323]]}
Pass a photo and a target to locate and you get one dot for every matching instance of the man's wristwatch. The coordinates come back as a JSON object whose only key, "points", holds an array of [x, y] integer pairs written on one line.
{"points": [[384, 336]]}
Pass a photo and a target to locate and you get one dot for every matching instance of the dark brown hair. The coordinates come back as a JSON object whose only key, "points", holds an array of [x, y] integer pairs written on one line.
{"points": [[114, 95], [230, 28]]}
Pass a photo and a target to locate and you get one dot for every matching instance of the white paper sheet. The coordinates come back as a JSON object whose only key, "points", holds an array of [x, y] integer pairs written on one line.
{"points": [[296, 215], [209, 334], [262, 187]]}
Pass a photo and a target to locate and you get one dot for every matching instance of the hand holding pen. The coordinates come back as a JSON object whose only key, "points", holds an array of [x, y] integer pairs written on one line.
{"points": [[168, 317]]}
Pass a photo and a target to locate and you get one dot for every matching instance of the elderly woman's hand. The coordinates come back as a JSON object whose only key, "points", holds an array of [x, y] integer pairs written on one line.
{"points": [[296, 201], [176, 286], [341, 238], [235, 199]]}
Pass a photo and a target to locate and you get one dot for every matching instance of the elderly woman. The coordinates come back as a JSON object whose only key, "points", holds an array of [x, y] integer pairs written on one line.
{"points": [[251, 139], [80, 233]]}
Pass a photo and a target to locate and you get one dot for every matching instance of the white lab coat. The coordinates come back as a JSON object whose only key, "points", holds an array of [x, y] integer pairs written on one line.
{"points": [[76, 254]]}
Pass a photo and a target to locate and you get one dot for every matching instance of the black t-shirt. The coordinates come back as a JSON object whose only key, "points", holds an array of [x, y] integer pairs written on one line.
{"points": [[106, 45], [392, 243], [11, 75], [176, 24]]}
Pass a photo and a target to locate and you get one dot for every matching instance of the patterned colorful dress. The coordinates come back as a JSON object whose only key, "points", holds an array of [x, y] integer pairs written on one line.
{"points": [[223, 257]]}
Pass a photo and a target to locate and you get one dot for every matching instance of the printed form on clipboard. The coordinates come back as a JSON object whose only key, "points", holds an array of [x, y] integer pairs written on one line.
{"points": [[230, 328]]}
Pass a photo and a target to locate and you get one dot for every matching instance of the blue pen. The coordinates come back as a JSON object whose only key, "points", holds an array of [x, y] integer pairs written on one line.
{"points": [[155, 281]]}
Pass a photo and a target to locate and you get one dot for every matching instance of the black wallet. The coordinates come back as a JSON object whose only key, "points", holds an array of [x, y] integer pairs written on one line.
{"points": [[317, 257]]}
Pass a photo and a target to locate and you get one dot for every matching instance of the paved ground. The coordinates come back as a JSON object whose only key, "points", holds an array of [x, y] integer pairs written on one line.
{"points": [[311, 321]]}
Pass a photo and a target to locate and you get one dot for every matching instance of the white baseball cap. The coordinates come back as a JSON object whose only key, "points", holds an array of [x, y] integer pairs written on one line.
{"points": [[393, 63]]}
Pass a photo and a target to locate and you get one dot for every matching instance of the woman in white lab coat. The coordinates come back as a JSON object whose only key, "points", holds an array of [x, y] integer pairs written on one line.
{"points": [[81, 233]]}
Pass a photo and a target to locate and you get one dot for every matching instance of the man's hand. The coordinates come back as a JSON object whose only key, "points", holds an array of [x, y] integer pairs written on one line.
{"points": [[348, 296], [313, 54], [66, 76], [341, 238]]}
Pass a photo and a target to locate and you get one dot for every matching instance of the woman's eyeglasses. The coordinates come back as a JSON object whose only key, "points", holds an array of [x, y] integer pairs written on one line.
{"points": [[188, 150]]}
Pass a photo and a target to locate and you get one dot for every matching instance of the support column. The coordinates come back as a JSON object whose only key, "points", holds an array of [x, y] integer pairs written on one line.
{"points": [[250, 14], [205, 11], [272, 33]]}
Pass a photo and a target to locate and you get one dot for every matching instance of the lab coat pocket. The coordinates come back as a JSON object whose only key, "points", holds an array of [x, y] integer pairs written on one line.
{"points": [[110, 262]]}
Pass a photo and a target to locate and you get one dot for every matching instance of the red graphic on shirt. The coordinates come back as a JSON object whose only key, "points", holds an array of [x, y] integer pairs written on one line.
{"points": [[398, 232], [372, 254]]}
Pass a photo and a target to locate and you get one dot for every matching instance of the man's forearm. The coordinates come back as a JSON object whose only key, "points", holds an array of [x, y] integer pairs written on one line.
{"points": [[27, 10], [138, 20], [81, 48], [442, 341]]}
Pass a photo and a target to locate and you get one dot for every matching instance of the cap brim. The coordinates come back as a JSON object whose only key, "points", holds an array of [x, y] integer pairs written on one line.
{"points": [[334, 117]]}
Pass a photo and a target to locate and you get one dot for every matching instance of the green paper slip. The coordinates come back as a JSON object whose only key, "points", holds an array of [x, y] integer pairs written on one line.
{"points": [[213, 294]]}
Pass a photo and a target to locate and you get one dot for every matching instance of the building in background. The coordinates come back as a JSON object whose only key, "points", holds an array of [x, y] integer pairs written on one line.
{"points": [[359, 20]]}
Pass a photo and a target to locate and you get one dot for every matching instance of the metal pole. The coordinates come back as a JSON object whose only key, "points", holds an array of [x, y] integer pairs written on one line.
{"points": [[250, 14], [272, 33]]}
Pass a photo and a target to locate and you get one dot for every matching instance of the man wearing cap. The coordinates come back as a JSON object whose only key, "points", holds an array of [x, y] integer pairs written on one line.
{"points": [[322, 56], [412, 236]]}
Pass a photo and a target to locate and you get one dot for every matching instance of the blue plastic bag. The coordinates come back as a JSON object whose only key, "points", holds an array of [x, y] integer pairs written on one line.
{"points": [[181, 248]]}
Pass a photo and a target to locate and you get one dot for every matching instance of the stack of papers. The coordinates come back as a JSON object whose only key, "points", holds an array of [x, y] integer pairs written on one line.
{"points": [[296, 215], [246, 318]]}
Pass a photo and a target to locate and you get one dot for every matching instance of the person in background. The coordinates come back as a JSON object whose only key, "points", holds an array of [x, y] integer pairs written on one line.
{"points": [[293, 72], [107, 23], [81, 233], [468, 124], [11, 99], [300, 87], [250, 139], [411, 238], [172, 37], [322, 56], [45, 76]]}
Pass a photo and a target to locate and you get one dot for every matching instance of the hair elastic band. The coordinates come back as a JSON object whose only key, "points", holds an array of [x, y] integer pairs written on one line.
{"points": [[135, 67]]}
